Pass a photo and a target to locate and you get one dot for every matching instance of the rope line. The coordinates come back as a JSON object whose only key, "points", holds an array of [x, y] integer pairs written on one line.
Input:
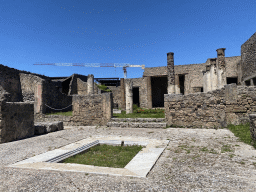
{"points": [[57, 109]]}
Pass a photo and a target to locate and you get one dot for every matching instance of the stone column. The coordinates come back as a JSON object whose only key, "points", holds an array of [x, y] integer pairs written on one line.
{"points": [[39, 105], [90, 84], [129, 96], [221, 68], [253, 127], [149, 92], [170, 73], [207, 81], [177, 84], [204, 82], [213, 75], [251, 82], [122, 91]]}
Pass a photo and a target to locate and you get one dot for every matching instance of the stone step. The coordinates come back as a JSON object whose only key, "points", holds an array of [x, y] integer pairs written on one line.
{"points": [[140, 120], [136, 124]]}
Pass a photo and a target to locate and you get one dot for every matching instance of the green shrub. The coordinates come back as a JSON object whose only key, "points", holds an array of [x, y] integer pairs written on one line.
{"points": [[103, 88]]}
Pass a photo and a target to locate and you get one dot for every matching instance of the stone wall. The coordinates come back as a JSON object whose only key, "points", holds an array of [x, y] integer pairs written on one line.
{"points": [[248, 58], [16, 120], [93, 109], [194, 72], [229, 105], [232, 64], [10, 82], [81, 87], [116, 95], [155, 71], [144, 86], [28, 85], [67, 120], [48, 98]]}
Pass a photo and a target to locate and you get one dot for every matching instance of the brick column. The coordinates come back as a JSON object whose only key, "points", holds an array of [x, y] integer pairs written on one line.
{"points": [[90, 84], [122, 87], [129, 96], [170, 73], [221, 68]]}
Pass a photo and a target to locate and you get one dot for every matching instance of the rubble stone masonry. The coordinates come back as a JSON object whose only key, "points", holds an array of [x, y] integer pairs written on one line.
{"points": [[93, 109], [248, 58], [16, 120], [230, 105]]}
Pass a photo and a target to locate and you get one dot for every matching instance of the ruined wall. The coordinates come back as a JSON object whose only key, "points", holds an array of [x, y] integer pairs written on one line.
{"points": [[81, 87], [28, 85], [248, 58], [116, 95], [144, 87], [73, 85], [231, 104], [96, 90], [48, 96], [16, 120], [232, 64], [195, 110], [193, 75], [93, 109], [10, 82], [155, 71]]}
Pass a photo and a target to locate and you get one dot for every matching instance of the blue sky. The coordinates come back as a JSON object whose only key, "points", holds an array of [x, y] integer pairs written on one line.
{"points": [[120, 31]]}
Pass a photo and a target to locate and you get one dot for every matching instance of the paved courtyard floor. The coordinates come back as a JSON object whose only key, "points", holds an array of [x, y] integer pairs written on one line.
{"points": [[194, 160]]}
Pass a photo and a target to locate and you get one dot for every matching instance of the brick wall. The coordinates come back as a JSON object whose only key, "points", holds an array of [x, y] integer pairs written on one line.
{"points": [[231, 104], [248, 57], [16, 120]]}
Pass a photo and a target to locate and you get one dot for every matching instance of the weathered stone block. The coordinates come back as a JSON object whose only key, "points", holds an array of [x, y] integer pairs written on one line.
{"points": [[40, 129], [47, 127]]}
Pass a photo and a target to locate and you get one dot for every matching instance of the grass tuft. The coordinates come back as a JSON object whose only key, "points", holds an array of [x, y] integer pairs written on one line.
{"points": [[106, 156], [68, 113], [243, 132], [141, 113]]}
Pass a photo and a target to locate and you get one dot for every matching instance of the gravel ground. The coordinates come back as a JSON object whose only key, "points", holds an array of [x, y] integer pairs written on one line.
{"points": [[194, 160]]}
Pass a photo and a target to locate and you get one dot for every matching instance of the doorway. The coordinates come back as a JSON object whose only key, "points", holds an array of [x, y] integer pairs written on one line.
{"points": [[182, 82], [136, 96], [159, 88], [231, 80]]}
